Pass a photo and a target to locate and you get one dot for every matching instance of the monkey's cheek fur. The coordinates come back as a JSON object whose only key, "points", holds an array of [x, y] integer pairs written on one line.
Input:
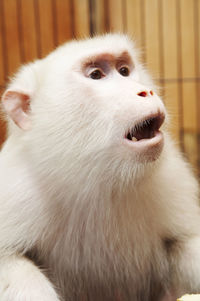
{"points": [[146, 150]]}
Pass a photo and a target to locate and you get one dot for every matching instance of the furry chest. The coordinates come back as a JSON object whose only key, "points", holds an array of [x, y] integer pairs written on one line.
{"points": [[112, 277]]}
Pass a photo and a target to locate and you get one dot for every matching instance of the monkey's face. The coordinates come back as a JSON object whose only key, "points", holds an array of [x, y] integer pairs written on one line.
{"points": [[108, 102], [94, 104]]}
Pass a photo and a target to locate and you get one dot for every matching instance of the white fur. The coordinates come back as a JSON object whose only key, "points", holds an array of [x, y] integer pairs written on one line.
{"points": [[81, 204]]}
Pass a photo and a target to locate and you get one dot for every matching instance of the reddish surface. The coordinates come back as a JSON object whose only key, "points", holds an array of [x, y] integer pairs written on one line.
{"points": [[2, 132]]}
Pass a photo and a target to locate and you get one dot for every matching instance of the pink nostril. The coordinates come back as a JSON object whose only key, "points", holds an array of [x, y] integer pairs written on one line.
{"points": [[142, 94]]}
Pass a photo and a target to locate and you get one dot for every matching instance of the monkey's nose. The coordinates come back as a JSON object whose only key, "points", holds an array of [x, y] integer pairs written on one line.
{"points": [[145, 93]]}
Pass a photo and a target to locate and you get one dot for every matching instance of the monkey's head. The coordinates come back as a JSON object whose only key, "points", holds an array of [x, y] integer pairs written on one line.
{"points": [[87, 109]]}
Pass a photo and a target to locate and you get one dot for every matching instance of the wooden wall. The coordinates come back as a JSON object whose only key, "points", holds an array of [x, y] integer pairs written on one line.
{"points": [[167, 31]]}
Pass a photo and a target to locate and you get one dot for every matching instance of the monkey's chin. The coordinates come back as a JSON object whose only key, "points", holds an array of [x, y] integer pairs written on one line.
{"points": [[146, 150]]}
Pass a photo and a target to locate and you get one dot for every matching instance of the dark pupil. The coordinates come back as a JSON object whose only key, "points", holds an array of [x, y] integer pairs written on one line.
{"points": [[124, 71], [96, 74]]}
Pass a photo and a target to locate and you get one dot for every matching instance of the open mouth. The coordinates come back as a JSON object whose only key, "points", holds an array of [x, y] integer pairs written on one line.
{"points": [[148, 128]]}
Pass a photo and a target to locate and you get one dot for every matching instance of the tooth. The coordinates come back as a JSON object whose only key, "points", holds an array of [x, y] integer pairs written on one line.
{"points": [[134, 139]]}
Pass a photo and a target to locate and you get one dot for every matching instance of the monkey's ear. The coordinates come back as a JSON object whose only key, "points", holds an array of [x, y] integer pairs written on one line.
{"points": [[16, 105], [18, 96]]}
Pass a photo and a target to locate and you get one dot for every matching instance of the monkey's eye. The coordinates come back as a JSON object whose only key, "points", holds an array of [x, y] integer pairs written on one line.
{"points": [[96, 74], [124, 71]]}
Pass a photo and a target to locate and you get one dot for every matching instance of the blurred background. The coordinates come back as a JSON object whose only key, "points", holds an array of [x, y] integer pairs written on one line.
{"points": [[166, 31]]}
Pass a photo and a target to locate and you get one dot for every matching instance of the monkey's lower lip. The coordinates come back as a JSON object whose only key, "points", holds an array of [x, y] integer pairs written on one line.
{"points": [[149, 143], [147, 150]]}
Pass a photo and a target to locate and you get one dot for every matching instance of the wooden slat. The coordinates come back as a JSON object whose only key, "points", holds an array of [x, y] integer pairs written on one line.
{"points": [[116, 16], [3, 50], [190, 124], [81, 18], [191, 148], [63, 21], [198, 71], [133, 13], [170, 39], [170, 66], [198, 111], [187, 38], [2, 71], [99, 18], [198, 19], [12, 35], [2, 131], [190, 121], [189, 106], [198, 132], [28, 30], [172, 105], [2, 123], [152, 36], [46, 26]]}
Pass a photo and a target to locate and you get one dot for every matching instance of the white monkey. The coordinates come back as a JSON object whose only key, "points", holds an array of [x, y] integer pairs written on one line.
{"points": [[96, 203]]}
